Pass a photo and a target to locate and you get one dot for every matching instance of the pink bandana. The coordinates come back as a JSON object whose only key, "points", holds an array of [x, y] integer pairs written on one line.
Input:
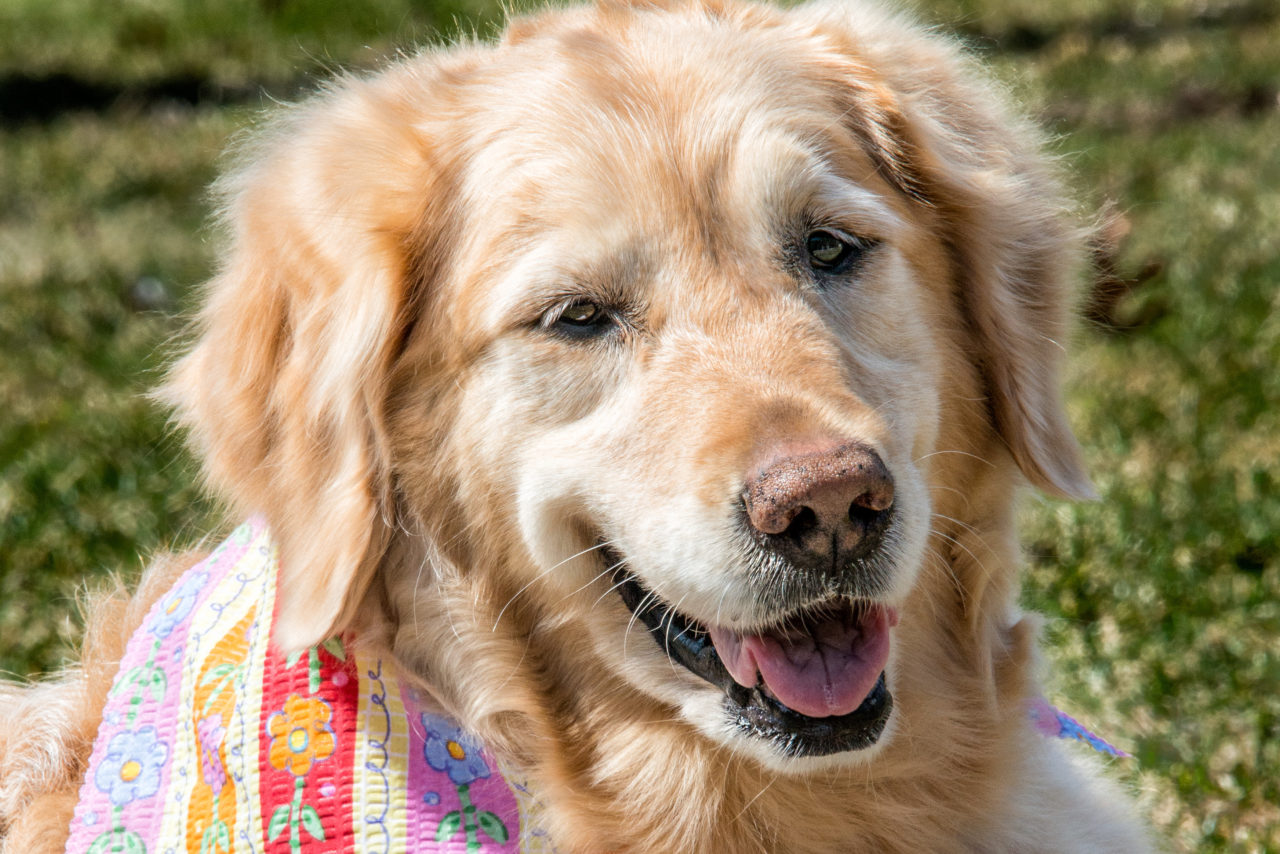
{"points": [[212, 742]]}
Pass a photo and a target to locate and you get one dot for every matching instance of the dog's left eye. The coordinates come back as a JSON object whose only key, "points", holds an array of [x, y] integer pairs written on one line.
{"points": [[581, 319], [581, 314], [834, 252]]}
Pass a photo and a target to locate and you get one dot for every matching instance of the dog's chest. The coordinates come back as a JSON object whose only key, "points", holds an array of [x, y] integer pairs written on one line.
{"points": [[213, 742]]}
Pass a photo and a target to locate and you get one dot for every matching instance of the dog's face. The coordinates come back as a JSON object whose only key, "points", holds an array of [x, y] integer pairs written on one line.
{"points": [[706, 318], [654, 324]]}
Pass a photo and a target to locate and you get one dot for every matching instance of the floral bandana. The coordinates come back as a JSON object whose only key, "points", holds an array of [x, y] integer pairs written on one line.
{"points": [[213, 742]]}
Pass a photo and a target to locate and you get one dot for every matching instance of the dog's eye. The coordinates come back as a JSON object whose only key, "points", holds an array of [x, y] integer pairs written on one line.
{"points": [[830, 252], [582, 319], [581, 314]]}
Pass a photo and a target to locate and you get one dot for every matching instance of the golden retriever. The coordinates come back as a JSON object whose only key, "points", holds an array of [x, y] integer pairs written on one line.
{"points": [[655, 385]]}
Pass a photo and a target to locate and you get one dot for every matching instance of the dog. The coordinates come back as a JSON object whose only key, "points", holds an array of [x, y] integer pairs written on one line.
{"points": [[653, 388]]}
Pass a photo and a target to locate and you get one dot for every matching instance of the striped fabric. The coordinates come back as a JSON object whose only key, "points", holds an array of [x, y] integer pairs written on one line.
{"points": [[213, 742]]}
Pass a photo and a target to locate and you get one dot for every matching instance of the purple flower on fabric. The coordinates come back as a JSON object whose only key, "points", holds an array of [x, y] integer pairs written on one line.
{"points": [[211, 732], [130, 770], [448, 748], [177, 604]]}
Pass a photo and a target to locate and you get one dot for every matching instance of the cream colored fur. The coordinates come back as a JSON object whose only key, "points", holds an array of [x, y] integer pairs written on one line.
{"points": [[376, 370]]}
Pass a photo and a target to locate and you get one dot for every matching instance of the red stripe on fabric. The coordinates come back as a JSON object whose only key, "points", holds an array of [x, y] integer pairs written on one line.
{"points": [[338, 793], [310, 711]]}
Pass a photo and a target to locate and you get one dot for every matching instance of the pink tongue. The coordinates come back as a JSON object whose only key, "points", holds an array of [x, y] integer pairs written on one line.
{"points": [[822, 669]]}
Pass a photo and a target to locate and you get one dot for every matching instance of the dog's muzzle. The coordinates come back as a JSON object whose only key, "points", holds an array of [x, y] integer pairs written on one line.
{"points": [[812, 684]]}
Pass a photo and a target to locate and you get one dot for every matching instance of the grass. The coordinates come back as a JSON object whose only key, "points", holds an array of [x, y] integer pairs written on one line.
{"points": [[1162, 599]]}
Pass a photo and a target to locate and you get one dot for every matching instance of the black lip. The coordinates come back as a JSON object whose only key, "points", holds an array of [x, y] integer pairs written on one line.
{"points": [[754, 712]]}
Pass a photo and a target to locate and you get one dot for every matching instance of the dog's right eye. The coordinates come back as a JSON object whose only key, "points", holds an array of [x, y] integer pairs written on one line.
{"points": [[581, 319], [832, 252]]}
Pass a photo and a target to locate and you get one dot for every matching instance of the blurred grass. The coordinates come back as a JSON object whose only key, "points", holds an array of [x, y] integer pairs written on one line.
{"points": [[1163, 599], [223, 42]]}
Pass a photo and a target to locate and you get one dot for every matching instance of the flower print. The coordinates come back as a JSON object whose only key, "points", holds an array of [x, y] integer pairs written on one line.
{"points": [[447, 748], [300, 735], [177, 604], [130, 770], [211, 732]]}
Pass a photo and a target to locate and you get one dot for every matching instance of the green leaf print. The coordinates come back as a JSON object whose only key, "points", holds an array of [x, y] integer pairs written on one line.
{"points": [[493, 826], [279, 821], [335, 648], [311, 821], [449, 825]]}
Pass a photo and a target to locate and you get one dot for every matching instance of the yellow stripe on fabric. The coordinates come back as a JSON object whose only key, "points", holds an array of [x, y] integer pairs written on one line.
{"points": [[223, 603], [260, 566], [380, 780]]}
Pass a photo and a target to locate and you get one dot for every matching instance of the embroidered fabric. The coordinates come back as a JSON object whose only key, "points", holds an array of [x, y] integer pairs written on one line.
{"points": [[213, 742]]}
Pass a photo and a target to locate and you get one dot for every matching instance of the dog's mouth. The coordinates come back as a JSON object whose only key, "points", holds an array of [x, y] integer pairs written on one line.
{"points": [[812, 684]]}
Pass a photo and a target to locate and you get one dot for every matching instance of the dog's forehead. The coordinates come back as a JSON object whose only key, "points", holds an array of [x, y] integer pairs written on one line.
{"points": [[675, 103], [640, 152]]}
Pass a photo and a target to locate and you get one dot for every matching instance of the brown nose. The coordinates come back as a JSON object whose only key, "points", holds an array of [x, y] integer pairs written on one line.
{"points": [[820, 505]]}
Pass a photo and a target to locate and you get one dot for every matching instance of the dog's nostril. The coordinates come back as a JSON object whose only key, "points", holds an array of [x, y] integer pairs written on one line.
{"points": [[875, 500], [873, 505], [868, 522], [804, 522]]}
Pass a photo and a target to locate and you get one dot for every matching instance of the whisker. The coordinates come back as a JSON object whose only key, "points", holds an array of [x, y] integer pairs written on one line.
{"points": [[967, 550], [983, 460], [612, 587], [965, 525], [756, 797], [542, 575], [626, 635], [959, 492]]}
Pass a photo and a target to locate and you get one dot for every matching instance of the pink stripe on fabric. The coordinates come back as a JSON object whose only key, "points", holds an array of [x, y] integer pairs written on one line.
{"points": [[121, 801]]}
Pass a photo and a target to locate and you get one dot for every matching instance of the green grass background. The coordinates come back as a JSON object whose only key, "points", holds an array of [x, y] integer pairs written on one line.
{"points": [[1161, 599]]}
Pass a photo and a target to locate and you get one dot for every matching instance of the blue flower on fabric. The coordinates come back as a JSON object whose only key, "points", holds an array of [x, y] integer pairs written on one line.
{"points": [[130, 770], [177, 604], [448, 748]]}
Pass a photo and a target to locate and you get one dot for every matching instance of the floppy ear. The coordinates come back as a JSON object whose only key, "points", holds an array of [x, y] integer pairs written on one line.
{"points": [[942, 135], [283, 392], [1015, 251]]}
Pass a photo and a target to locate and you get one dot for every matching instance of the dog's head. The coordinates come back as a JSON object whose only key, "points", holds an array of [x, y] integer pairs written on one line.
{"points": [[658, 339]]}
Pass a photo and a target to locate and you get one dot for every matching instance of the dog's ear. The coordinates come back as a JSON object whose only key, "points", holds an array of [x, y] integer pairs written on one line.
{"points": [[284, 390], [1015, 250], [942, 135]]}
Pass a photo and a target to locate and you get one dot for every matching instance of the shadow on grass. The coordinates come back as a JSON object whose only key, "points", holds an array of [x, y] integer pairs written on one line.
{"points": [[27, 99], [1125, 24]]}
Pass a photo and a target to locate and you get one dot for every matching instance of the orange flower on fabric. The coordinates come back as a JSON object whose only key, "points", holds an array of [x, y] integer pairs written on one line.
{"points": [[300, 735]]}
